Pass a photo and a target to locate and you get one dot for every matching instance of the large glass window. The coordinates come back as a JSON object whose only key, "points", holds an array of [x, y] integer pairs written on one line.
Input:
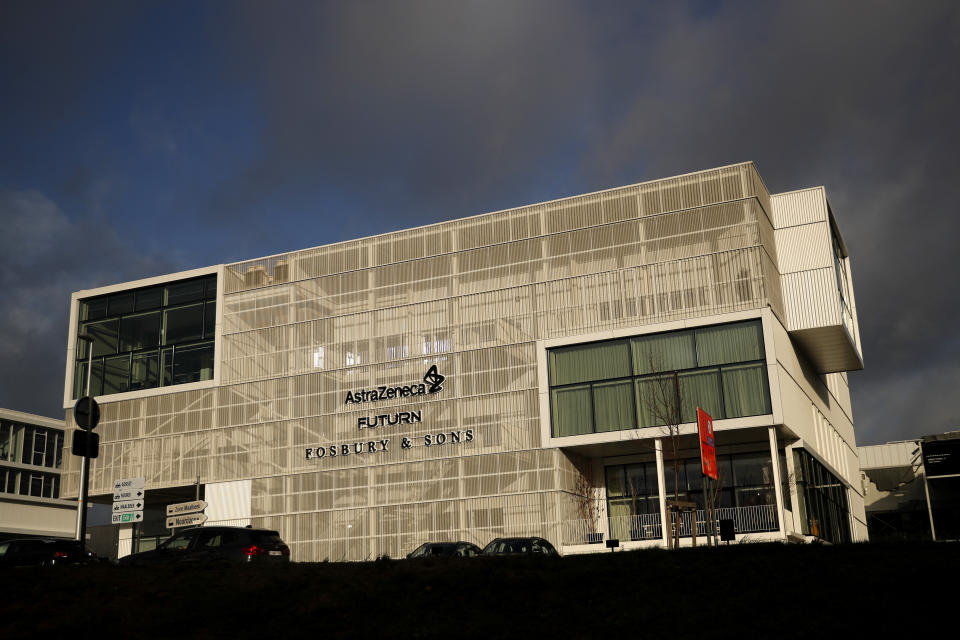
{"points": [[745, 481], [824, 510], [150, 337], [659, 379], [37, 447]]}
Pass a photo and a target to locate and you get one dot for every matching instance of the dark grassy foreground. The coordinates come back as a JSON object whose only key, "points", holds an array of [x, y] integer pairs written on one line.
{"points": [[747, 591]]}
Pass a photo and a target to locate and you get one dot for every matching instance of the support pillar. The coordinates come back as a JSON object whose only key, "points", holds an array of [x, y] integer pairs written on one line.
{"points": [[777, 485], [662, 489]]}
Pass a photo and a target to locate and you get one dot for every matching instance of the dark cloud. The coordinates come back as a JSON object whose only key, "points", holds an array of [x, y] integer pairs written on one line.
{"points": [[44, 257], [274, 128], [861, 99]]}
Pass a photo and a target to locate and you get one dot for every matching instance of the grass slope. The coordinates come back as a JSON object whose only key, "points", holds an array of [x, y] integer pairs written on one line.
{"points": [[744, 591]]}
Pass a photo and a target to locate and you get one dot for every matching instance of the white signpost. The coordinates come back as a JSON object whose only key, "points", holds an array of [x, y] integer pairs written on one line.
{"points": [[132, 505], [183, 514], [126, 517], [190, 520], [128, 489], [183, 508], [128, 501]]}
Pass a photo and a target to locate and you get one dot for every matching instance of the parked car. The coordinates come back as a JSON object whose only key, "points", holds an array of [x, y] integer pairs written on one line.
{"points": [[202, 545], [519, 546], [445, 550], [42, 552]]}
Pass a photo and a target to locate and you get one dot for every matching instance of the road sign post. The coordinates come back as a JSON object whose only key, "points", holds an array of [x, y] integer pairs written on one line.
{"points": [[86, 414], [189, 520], [183, 508], [128, 501]]}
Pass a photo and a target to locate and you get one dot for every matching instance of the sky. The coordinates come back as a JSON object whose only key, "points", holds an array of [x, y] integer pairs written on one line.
{"points": [[143, 138]]}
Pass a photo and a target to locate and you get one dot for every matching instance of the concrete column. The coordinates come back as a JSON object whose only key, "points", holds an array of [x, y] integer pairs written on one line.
{"points": [[777, 486], [662, 488]]}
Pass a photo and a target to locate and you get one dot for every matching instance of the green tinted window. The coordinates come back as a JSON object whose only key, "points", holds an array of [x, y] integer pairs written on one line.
{"points": [[659, 379], [572, 411], [665, 352], [728, 343], [596, 361]]}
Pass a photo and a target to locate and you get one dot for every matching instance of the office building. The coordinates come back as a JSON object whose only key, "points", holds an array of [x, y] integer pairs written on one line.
{"points": [[504, 374]]}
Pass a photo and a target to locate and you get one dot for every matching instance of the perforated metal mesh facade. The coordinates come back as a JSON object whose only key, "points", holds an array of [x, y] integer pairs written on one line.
{"points": [[472, 296]]}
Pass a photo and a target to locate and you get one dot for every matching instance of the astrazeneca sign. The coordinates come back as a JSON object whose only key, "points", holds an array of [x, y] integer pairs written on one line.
{"points": [[432, 383]]}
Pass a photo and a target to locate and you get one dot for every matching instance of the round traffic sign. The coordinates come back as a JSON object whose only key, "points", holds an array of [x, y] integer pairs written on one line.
{"points": [[86, 413]]}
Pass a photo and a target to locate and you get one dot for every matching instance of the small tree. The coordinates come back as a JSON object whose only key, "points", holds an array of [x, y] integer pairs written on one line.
{"points": [[585, 491]]}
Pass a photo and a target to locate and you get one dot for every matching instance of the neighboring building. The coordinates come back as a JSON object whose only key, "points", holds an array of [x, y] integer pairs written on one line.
{"points": [[911, 486], [31, 450], [495, 375]]}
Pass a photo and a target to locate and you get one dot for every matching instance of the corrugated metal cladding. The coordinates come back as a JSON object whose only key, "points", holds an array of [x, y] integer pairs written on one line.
{"points": [[804, 247], [892, 454], [472, 297], [799, 207], [638, 201], [811, 299]]}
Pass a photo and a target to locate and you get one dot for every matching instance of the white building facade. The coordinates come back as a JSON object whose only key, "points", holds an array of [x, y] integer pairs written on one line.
{"points": [[497, 375]]}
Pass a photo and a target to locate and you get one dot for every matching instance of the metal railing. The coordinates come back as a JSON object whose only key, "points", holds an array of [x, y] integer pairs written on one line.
{"points": [[647, 526]]}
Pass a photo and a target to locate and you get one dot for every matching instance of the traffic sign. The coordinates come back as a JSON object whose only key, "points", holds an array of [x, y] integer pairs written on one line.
{"points": [[86, 413], [190, 520], [130, 505], [127, 494], [129, 483], [183, 508], [128, 489], [126, 517], [81, 446]]}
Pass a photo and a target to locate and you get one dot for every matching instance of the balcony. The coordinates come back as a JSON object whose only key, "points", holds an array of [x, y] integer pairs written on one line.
{"points": [[818, 298]]}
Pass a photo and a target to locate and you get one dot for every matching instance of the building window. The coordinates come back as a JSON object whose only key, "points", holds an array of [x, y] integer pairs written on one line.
{"points": [[824, 511], [745, 481], [146, 338], [658, 379], [34, 446]]}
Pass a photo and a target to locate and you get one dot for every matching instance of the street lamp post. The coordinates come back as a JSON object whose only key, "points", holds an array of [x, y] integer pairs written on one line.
{"points": [[85, 460]]}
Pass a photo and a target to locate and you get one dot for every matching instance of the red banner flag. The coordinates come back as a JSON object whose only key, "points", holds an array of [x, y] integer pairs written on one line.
{"points": [[708, 450]]}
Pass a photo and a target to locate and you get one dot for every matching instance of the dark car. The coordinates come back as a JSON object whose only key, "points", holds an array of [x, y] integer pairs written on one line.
{"points": [[203, 545], [42, 552], [445, 550], [519, 546]]}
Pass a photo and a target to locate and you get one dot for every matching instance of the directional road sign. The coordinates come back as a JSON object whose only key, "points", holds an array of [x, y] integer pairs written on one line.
{"points": [[129, 483], [183, 508], [190, 520], [128, 489], [130, 505], [127, 494], [126, 517]]}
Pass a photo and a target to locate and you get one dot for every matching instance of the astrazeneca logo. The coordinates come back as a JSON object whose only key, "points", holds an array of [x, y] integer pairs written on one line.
{"points": [[433, 378]]}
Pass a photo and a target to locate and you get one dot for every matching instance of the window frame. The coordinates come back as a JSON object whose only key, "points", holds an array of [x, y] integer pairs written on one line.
{"points": [[96, 309], [638, 378]]}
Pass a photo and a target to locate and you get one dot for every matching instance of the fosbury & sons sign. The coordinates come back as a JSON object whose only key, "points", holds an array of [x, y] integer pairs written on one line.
{"points": [[432, 383]]}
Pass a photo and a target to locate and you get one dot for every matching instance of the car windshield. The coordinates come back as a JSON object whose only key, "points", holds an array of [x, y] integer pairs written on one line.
{"points": [[508, 546], [179, 542]]}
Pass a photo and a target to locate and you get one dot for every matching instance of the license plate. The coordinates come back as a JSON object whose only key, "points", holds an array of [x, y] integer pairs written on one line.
{"points": [[275, 553]]}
